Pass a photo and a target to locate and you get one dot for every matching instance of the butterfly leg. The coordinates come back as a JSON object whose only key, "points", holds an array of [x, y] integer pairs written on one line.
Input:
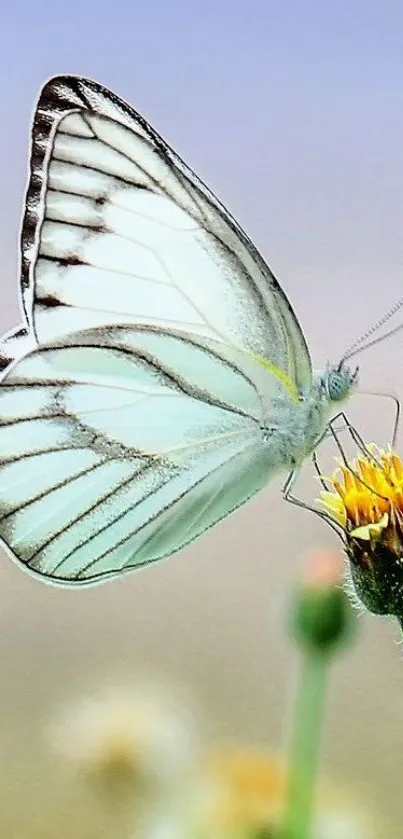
{"points": [[358, 441], [292, 477], [286, 491], [334, 432], [292, 499], [361, 445], [354, 433], [318, 470]]}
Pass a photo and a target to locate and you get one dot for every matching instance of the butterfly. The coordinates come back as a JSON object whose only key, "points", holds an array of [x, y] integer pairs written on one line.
{"points": [[160, 378]]}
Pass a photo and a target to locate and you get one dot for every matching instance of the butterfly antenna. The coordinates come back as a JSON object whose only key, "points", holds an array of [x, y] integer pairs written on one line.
{"points": [[397, 411], [360, 344]]}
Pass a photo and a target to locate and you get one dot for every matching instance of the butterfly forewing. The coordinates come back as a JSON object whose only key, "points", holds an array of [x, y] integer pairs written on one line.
{"points": [[119, 230]]}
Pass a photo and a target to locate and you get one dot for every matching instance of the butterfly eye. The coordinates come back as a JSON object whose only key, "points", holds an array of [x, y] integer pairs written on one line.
{"points": [[338, 385]]}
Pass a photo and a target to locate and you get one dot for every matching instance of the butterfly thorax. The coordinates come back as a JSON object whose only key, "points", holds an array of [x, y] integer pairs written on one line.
{"points": [[297, 429], [301, 425]]}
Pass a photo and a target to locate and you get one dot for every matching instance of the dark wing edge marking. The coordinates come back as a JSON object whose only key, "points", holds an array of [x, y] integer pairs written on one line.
{"points": [[13, 345]]}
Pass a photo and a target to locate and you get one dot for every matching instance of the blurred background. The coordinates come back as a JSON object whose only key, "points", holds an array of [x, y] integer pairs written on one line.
{"points": [[293, 114]]}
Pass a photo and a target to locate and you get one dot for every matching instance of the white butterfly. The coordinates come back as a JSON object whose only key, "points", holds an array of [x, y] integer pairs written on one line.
{"points": [[161, 377]]}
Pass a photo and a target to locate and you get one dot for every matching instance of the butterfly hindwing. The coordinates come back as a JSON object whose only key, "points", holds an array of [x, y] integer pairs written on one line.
{"points": [[110, 460]]}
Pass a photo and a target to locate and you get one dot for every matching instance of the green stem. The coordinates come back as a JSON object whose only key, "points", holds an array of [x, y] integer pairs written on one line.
{"points": [[305, 747]]}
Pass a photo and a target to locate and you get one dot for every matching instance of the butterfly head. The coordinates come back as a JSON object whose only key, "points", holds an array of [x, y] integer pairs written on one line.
{"points": [[338, 381]]}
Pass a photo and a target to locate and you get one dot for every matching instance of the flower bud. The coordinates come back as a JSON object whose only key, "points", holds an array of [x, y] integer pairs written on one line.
{"points": [[322, 616]]}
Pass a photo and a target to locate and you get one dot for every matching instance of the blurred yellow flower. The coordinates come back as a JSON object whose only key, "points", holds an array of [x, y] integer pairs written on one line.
{"points": [[246, 798], [247, 789]]}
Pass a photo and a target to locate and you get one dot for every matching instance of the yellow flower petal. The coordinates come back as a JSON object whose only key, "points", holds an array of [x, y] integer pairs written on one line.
{"points": [[333, 504], [369, 531]]}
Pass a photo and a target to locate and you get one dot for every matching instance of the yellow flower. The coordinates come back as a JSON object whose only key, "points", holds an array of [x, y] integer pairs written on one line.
{"points": [[367, 494], [366, 502]]}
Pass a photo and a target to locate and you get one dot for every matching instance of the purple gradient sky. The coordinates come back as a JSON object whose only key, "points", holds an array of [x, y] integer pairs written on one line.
{"points": [[293, 113]]}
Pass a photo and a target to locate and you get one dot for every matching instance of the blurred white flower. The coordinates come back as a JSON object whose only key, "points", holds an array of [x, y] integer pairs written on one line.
{"points": [[344, 822], [142, 733]]}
